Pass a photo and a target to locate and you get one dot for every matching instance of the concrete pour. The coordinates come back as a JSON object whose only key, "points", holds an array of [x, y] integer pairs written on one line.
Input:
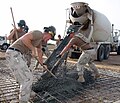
{"points": [[63, 88]]}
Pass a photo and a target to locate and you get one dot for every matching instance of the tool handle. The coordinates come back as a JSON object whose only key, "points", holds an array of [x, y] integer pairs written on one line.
{"points": [[14, 22], [46, 69], [49, 71]]}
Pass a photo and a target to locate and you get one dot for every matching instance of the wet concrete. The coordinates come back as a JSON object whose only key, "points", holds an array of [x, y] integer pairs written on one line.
{"points": [[61, 89]]}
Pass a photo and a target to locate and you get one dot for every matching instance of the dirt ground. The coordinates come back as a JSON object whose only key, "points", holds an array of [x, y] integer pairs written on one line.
{"points": [[113, 63], [104, 90]]}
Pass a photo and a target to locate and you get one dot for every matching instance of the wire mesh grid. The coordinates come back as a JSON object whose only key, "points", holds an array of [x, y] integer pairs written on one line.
{"points": [[9, 88]]}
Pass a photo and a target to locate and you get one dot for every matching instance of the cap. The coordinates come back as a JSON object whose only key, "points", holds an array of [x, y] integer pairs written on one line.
{"points": [[51, 30], [22, 23]]}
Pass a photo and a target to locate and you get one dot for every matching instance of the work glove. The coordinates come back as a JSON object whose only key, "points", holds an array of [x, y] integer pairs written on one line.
{"points": [[58, 56]]}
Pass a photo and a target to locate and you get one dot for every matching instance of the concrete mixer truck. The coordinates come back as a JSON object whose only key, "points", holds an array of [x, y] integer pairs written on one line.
{"points": [[95, 27]]}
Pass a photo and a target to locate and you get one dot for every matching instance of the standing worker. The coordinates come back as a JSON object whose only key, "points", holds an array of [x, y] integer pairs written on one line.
{"points": [[58, 41], [17, 62], [20, 31]]}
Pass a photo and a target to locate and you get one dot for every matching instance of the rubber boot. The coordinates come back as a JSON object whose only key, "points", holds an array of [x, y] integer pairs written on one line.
{"points": [[81, 79], [96, 75]]}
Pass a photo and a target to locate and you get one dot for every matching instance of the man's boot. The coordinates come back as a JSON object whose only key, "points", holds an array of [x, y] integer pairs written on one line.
{"points": [[81, 79], [97, 76]]}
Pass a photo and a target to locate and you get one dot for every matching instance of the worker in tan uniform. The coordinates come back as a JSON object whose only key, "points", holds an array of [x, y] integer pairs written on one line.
{"points": [[87, 56], [82, 16], [17, 62], [16, 33]]}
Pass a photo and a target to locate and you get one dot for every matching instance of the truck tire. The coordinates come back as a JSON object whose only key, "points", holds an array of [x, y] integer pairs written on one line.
{"points": [[107, 51], [100, 53], [5, 46], [118, 50]]}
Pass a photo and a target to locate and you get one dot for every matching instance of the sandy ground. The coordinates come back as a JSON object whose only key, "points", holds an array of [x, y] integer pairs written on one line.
{"points": [[105, 90], [113, 63]]}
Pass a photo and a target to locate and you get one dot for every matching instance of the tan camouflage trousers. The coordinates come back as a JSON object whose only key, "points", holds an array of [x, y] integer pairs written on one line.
{"points": [[86, 61], [21, 72]]}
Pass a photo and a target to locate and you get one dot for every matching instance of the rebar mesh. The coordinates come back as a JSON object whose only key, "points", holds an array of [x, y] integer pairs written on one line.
{"points": [[106, 88]]}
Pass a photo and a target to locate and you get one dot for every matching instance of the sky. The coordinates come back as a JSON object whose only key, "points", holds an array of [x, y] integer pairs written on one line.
{"points": [[41, 13]]}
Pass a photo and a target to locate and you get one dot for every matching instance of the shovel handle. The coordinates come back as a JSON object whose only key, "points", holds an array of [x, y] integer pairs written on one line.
{"points": [[46, 69], [14, 22]]}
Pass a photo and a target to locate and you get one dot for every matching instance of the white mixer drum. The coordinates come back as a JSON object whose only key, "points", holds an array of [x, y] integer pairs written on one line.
{"points": [[102, 28]]}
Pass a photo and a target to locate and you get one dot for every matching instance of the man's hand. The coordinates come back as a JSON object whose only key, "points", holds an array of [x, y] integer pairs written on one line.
{"points": [[72, 34], [58, 56]]}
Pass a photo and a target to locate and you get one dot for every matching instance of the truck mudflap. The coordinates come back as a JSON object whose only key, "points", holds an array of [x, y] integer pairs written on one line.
{"points": [[118, 50]]}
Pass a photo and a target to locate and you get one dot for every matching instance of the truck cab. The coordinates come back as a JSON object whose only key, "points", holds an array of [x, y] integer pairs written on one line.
{"points": [[3, 43]]}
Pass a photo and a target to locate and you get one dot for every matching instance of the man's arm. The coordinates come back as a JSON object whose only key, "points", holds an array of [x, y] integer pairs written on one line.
{"points": [[12, 33], [39, 52], [68, 46]]}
